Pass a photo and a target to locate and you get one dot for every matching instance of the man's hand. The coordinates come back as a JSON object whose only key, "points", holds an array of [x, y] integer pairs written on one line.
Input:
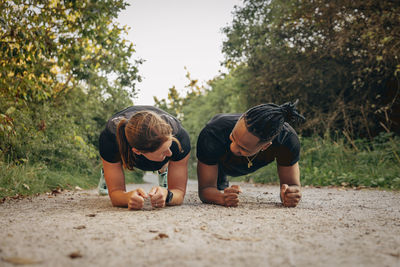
{"points": [[231, 196], [157, 196], [290, 195], [136, 199]]}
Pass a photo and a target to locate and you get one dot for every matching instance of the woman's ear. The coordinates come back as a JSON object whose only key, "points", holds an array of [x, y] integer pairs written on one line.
{"points": [[137, 152]]}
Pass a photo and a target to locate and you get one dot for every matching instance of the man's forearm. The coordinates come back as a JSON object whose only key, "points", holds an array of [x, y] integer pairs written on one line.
{"points": [[211, 195]]}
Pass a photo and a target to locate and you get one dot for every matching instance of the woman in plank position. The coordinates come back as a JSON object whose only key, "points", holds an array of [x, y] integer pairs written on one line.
{"points": [[150, 139]]}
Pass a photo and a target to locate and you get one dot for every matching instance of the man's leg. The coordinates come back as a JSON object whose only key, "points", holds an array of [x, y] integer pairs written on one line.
{"points": [[222, 181]]}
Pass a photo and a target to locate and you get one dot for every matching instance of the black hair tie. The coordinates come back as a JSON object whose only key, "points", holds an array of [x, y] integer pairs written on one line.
{"points": [[290, 113]]}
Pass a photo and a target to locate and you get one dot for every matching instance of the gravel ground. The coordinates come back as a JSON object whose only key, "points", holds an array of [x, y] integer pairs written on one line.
{"points": [[330, 227]]}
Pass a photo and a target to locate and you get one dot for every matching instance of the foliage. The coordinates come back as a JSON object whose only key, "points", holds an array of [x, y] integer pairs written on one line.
{"points": [[325, 161], [48, 47], [200, 104], [65, 69], [340, 58]]}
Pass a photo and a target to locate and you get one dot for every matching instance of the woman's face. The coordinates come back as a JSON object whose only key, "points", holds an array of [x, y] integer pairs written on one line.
{"points": [[161, 153]]}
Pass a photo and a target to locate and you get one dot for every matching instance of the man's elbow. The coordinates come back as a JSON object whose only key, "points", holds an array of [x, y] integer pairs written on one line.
{"points": [[202, 197]]}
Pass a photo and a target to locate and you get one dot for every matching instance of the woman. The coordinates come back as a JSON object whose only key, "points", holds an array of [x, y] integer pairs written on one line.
{"points": [[150, 139]]}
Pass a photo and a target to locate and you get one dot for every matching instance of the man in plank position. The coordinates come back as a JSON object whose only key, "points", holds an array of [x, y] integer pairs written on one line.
{"points": [[239, 144]]}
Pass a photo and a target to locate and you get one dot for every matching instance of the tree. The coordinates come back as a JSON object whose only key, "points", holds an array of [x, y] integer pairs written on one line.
{"points": [[48, 47], [65, 66], [200, 104], [339, 58]]}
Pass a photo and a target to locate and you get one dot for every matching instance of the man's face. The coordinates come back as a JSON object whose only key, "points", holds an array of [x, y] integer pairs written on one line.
{"points": [[245, 143]]}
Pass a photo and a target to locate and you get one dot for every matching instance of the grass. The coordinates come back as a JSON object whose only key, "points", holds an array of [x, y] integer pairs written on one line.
{"points": [[326, 161], [26, 179]]}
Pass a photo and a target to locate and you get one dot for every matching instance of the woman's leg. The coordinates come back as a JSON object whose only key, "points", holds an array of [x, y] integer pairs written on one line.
{"points": [[163, 176], [102, 187]]}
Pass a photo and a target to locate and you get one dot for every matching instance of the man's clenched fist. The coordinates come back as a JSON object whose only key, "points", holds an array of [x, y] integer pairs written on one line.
{"points": [[231, 196], [290, 195]]}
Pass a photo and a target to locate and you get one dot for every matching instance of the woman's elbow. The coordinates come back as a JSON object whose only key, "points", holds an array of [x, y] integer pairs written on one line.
{"points": [[114, 203], [117, 202], [178, 198]]}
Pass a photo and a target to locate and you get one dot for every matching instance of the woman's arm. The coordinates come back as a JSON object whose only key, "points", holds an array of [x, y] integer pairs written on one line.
{"points": [[115, 180], [177, 179]]}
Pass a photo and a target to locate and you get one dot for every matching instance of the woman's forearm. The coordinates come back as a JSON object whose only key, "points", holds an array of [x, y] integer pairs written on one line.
{"points": [[120, 198], [178, 197]]}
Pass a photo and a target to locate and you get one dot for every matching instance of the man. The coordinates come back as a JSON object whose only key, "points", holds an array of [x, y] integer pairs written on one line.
{"points": [[239, 144]]}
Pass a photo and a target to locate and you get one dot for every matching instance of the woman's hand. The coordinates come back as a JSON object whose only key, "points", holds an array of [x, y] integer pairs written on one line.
{"points": [[136, 199], [157, 196]]}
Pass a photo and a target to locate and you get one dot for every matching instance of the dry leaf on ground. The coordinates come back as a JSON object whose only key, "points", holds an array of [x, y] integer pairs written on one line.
{"points": [[75, 255], [161, 235], [20, 261]]}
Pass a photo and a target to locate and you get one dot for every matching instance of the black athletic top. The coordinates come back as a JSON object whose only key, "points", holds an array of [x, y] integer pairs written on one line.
{"points": [[213, 147], [108, 145]]}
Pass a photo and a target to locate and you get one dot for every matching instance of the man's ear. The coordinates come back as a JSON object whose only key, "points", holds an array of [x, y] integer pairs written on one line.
{"points": [[265, 146], [137, 152]]}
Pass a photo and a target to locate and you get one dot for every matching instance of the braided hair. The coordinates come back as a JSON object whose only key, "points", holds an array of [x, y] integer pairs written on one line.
{"points": [[266, 120]]}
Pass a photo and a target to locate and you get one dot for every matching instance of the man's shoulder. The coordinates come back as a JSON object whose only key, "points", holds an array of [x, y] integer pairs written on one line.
{"points": [[287, 136], [214, 137]]}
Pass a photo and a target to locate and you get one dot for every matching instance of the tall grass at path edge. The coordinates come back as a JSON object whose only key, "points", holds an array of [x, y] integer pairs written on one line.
{"points": [[338, 162]]}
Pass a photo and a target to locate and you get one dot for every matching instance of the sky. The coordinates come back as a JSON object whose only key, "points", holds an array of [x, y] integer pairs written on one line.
{"points": [[173, 34]]}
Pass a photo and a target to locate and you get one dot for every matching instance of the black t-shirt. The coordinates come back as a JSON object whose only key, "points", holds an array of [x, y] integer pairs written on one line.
{"points": [[108, 145], [213, 147]]}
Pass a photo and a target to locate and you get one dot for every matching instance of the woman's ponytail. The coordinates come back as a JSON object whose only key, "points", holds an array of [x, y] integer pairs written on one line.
{"points": [[125, 149]]}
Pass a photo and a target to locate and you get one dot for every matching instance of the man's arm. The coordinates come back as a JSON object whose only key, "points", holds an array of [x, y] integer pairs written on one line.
{"points": [[208, 192], [289, 177]]}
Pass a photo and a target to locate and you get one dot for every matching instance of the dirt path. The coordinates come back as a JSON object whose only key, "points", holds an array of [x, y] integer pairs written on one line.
{"points": [[330, 227]]}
